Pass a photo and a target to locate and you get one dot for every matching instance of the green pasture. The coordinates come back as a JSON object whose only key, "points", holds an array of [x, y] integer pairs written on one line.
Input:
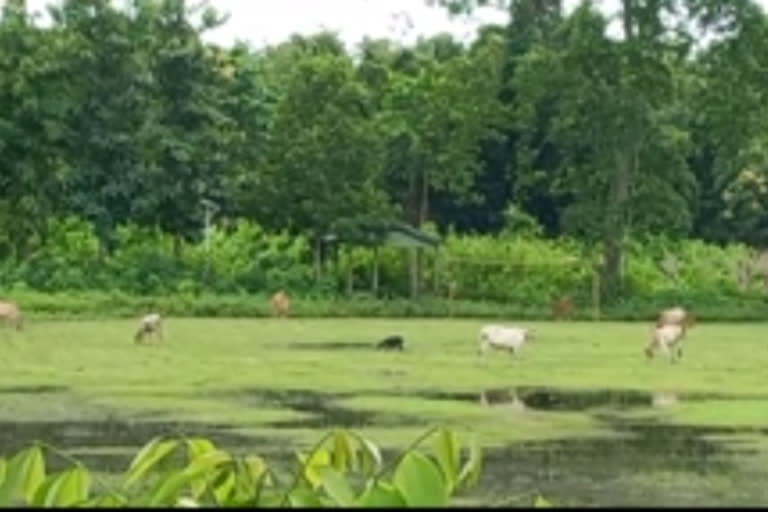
{"points": [[269, 385]]}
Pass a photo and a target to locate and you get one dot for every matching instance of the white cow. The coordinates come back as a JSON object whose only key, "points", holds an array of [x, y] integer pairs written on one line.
{"points": [[675, 316], [11, 314], [502, 337], [149, 324], [667, 338]]}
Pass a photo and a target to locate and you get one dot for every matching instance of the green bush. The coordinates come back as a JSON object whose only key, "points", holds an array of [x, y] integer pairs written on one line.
{"points": [[342, 470], [511, 275]]}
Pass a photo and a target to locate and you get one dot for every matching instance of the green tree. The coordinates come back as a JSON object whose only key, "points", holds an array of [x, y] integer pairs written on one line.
{"points": [[624, 146], [727, 93], [34, 103], [322, 163], [439, 104]]}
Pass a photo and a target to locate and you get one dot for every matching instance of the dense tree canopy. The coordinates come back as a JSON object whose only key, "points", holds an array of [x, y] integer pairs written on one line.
{"points": [[119, 114]]}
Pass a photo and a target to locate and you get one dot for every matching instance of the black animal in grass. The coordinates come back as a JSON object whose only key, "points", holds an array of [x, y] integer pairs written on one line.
{"points": [[394, 342]]}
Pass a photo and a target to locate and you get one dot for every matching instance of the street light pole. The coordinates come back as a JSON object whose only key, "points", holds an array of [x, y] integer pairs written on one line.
{"points": [[210, 208]]}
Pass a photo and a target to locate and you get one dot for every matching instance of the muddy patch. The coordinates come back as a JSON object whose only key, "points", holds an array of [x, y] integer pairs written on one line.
{"points": [[332, 345], [110, 445], [567, 400], [322, 409], [541, 398], [552, 399], [32, 390], [653, 465], [74, 435], [67, 434]]}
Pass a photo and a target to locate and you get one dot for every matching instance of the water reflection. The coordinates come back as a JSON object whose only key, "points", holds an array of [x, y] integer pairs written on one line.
{"points": [[662, 399]]}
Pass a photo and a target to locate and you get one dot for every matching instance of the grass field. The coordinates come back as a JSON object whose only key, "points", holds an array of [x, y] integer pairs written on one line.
{"points": [[573, 417]]}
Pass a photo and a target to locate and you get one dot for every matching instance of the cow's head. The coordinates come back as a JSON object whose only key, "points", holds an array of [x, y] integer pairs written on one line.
{"points": [[689, 321]]}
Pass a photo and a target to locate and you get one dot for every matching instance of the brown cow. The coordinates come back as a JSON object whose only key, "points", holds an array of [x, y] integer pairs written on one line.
{"points": [[11, 314], [281, 304], [562, 308]]}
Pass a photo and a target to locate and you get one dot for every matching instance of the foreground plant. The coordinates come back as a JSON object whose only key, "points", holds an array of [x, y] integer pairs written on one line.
{"points": [[343, 469]]}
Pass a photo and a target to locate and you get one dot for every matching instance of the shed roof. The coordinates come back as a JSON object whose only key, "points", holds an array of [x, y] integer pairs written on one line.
{"points": [[403, 235], [389, 233]]}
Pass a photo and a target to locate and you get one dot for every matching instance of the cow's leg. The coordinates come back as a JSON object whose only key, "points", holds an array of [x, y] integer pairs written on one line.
{"points": [[669, 353], [649, 349]]}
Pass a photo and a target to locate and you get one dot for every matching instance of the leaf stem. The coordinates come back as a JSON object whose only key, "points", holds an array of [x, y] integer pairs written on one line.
{"points": [[409, 448], [74, 461], [302, 469]]}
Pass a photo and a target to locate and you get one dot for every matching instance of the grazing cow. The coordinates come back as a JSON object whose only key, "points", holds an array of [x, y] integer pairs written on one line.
{"points": [[667, 338], [11, 314], [504, 338], [391, 343], [562, 308], [675, 316], [149, 324], [281, 304]]}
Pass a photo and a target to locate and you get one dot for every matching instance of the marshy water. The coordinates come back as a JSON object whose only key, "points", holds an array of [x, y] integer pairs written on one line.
{"points": [[642, 461]]}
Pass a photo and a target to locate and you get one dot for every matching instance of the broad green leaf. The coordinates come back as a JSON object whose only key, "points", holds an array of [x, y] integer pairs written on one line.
{"points": [[270, 499], [223, 490], [40, 499], [34, 467], [3, 467], [256, 466], [327, 502], [187, 502], [198, 486], [172, 483], [371, 457], [251, 475], [152, 453], [342, 452], [246, 486], [420, 482], [381, 495], [448, 454], [74, 487], [208, 481], [169, 485], [542, 503], [304, 498], [470, 473], [64, 489], [199, 446], [319, 458], [111, 500], [24, 474], [91, 503], [336, 486]]}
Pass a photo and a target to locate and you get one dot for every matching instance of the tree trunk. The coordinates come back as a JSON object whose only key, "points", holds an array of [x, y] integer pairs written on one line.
{"points": [[375, 278], [413, 218], [413, 268], [318, 257], [615, 229], [424, 199], [423, 215], [350, 281]]}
